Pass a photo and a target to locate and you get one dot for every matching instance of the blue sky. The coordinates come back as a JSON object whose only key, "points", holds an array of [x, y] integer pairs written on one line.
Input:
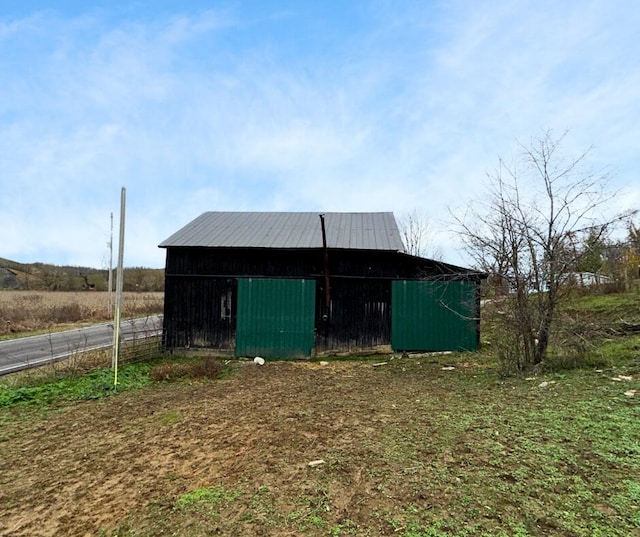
{"points": [[296, 106]]}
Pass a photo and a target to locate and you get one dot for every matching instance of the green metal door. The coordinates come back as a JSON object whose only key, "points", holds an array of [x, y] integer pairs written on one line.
{"points": [[434, 316], [275, 318]]}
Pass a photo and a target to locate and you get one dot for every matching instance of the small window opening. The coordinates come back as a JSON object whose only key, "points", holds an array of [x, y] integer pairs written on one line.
{"points": [[225, 305]]}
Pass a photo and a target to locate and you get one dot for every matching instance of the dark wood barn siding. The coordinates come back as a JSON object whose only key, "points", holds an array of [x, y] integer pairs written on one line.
{"points": [[238, 262], [359, 314], [199, 280], [200, 312]]}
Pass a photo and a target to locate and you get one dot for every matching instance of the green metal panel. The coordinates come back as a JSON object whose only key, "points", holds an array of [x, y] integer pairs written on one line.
{"points": [[275, 318], [434, 315]]}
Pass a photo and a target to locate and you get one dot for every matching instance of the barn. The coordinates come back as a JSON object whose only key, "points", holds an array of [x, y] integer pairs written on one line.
{"points": [[293, 284]]}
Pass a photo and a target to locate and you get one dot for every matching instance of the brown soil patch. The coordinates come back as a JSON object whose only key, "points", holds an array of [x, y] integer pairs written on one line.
{"points": [[122, 462]]}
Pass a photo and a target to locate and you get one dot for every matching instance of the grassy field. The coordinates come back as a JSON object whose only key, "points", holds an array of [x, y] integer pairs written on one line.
{"points": [[37, 311], [420, 446]]}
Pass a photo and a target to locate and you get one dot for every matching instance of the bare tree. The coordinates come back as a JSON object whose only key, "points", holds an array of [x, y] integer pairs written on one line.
{"points": [[525, 230], [415, 230]]}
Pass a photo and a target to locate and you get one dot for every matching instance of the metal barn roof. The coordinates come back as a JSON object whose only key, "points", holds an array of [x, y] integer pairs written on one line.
{"points": [[362, 231]]}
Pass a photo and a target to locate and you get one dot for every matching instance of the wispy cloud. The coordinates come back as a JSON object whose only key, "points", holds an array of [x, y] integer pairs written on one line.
{"points": [[294, 108]]}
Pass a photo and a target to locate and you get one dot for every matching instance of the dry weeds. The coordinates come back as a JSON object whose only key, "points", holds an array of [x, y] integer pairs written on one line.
{"points": [[29, 311]]}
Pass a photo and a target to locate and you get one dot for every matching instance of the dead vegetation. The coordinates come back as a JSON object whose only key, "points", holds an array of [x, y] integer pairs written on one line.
{"points": [[31, 311], [207, 368]]}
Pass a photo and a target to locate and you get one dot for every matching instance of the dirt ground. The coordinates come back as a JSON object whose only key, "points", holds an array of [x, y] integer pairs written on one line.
{"points": [[413, 448], [97, 466]]}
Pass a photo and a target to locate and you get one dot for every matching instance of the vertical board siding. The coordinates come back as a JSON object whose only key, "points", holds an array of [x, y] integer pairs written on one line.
{"points": [[198, 281], [194, 315], [275, 317], [359, 315], [434, 316]]}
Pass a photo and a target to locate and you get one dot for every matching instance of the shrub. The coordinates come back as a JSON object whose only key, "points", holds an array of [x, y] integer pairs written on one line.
{"points": [[208, 367]]}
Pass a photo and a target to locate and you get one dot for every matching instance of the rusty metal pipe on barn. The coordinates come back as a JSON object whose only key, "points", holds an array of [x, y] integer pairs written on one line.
{"points": [[325, 249]]}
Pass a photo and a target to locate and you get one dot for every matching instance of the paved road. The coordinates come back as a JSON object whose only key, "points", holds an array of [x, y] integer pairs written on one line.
{"points": [[32, 351]]}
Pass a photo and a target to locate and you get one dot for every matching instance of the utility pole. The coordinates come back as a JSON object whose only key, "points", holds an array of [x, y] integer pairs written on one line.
{"points": [[116, 322], [111, 268]]}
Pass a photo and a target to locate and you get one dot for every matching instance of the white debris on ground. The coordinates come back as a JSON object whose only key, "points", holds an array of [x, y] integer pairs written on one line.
{"points": [[258, 360], [625, 378], [546, 383], [315, 463], [620, 378]]}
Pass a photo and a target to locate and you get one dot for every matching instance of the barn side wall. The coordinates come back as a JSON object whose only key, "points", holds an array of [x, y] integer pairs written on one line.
{"points": [[201, 292]]}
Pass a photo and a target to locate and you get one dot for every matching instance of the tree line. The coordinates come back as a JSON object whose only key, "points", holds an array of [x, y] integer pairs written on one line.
{"points": [[47, 277]]}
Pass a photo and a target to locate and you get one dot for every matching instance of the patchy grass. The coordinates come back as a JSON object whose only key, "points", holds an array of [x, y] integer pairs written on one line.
{"points": [[612, 306], [597, 331], [47, 392], [54, 386], [410, 449], [206, 500]]}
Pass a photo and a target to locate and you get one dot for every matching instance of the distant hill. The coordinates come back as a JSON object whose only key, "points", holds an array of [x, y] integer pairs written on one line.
{"points": [[47, 277]]}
